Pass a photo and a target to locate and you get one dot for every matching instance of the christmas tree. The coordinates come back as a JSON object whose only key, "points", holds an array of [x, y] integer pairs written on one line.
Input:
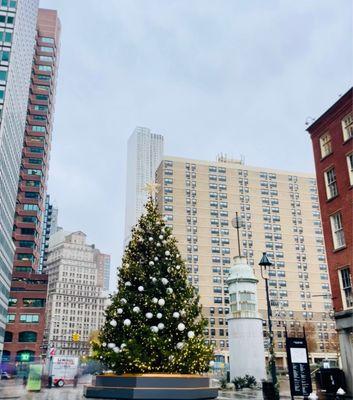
{"points": [[154, 322]]}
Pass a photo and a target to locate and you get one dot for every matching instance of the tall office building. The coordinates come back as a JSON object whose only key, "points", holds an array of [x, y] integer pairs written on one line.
{"points": [[76, 300], [17, 36], [281, 215], [25, 328], [144, 153], [332, 141], [103, 263]]}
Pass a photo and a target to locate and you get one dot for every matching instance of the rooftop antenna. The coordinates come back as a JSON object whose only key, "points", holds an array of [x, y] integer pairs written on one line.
{"points": [[237, 224]]}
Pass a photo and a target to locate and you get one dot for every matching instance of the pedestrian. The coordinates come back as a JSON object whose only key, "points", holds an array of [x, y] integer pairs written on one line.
{"points": [[50, 381], [75, 380], [24, 380]]}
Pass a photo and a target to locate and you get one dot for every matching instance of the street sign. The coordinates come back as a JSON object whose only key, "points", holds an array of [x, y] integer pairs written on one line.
{"points": [[298, 366]]}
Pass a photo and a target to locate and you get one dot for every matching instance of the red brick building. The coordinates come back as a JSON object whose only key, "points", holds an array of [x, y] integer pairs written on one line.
{"points": [[26, 312], [332, 139]]}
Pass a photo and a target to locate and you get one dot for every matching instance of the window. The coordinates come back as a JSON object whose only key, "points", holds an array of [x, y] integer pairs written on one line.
{"points": [[8, 336], [337, 230], [3, 75], [5, 55], [29, 318], [347, 127], [27, 336], [346, 287], [36, 128], [331, 183], [47, 49], [350, 167], [33, 302], [44, 68], [11, 318], [325, 145], [47, 40]]}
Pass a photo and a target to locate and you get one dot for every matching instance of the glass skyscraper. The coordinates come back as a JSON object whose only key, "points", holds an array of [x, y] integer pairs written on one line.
{"points": [[17, 37]]}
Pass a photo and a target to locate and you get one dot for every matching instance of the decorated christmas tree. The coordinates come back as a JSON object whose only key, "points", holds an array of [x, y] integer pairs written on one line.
{"points": [[154, 322]]}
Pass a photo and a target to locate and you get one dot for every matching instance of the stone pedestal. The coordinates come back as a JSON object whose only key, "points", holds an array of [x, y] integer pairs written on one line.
{"points": [[246, 348], [150, 387]]}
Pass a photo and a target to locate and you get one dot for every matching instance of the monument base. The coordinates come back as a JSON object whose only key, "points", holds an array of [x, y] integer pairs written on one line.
{"points": [[150, 387]]}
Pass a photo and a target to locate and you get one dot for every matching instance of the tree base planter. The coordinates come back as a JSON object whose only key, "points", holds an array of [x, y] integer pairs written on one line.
{"points": [[151, 387]]}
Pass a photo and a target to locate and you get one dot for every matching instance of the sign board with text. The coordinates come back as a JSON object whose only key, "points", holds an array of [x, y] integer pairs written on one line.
{"points": [[298, 366]]}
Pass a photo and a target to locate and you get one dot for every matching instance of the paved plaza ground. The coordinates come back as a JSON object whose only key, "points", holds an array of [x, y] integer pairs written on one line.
{"points": [[14, 389]]}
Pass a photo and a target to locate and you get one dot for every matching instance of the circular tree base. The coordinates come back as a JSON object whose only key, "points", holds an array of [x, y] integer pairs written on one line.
{"points": [[150, 387]]}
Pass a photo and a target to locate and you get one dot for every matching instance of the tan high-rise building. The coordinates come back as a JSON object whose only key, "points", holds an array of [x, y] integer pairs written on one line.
{"points": [[281, 215], [76, 300]]}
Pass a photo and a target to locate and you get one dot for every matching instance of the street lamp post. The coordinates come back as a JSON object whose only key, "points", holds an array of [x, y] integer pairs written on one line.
{"points": [[264, 263]]}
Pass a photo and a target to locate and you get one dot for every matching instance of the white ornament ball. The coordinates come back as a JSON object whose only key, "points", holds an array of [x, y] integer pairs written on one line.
{"points": [[167, 253], [156, 259], [119, 310], [113, 323], [127, 322], [176, 314], [136, 309], [179, 345], [158, 244], [171, 358], [164, 242], [154, 280], [177, 267], [151, 263], [116, 350], [161, 237], [160, 326], [169, 290], [191, 334], [104, 344], [155, 300], [211, 364], [159, 315], [111, 345], [140, 289], [161, 302], [150, 239], [149, 315], [123, 301], [123, 345], [164, 281], [181, 327], [127, 283], [154, 329]]}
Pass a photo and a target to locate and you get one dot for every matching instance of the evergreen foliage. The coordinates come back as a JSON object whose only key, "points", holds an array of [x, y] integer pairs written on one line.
{"points": [[154, 322]]}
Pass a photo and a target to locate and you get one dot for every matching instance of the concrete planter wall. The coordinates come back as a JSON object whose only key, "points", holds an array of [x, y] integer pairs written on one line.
{"points": [[151, 387]]}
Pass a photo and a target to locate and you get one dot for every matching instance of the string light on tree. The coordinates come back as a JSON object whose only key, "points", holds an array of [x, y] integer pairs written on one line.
{"points": [[146, 330]]}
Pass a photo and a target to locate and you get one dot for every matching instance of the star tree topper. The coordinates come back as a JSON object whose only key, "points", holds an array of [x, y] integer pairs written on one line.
{"points": [[152, 188]]}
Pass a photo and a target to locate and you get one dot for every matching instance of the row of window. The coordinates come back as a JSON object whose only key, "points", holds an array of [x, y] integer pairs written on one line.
{"points": [[326, 140], [23, 337]]}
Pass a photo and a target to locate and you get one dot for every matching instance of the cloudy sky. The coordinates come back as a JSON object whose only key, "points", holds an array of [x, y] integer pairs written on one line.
{"points": [[234, 76]]}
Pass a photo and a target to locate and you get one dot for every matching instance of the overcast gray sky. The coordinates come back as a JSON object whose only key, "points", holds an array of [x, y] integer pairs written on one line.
{"points": [[235, 76]]}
